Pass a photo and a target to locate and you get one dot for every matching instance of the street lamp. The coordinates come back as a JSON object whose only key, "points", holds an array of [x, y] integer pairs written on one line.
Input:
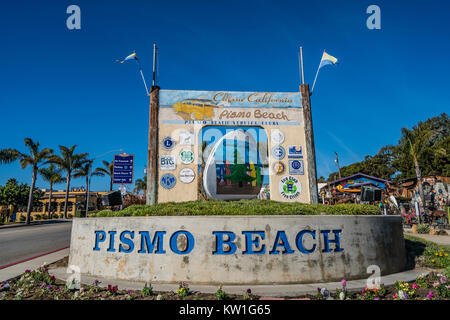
{"points": [[91, 162]]}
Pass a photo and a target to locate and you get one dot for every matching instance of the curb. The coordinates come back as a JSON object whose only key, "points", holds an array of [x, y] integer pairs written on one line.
{"points": [[37, 223], [32, 258], [16, 270]]}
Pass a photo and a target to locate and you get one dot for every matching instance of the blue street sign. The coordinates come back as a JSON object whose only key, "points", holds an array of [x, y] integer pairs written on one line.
{"points": [[123, 169]]}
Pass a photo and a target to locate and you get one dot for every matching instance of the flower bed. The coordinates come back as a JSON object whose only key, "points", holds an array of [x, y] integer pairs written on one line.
{"points": [[242, 207], [40, 285]]}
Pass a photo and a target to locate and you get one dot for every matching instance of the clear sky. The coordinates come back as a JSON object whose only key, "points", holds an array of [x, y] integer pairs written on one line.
{"points": [[63, 87]]}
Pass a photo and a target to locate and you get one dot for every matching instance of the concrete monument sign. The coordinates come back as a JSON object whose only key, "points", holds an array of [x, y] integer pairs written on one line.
{"points": [[242, 250]]}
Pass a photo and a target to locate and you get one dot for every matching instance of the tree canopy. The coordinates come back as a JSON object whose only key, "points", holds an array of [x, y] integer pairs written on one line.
{"points": [[396, 163]]}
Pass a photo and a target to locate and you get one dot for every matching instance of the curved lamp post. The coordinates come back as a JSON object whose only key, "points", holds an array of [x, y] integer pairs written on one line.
{"points": [[91, 161]]}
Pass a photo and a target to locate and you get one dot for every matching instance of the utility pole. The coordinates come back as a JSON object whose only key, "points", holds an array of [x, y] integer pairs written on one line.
{"points": [[310, 149], [337, 163]]}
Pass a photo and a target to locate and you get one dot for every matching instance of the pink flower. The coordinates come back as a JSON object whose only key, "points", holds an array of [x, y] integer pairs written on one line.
{"points": [[430, 295], [414, 286], [394, 296], [344, 283], [435, 284]]}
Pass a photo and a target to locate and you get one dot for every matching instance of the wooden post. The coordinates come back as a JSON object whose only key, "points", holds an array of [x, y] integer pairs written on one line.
{"points": [[310, 149], [152, 155]]}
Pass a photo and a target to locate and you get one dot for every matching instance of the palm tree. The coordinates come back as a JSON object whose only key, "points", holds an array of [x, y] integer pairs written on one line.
{"points": [[68, 162], [35, 159], [52, 175], [85, 171], [108, 170], [140, 185], [415, 142]]}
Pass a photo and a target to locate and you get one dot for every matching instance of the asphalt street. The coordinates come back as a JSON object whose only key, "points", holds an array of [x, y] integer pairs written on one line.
{"points": [[24, 242]]}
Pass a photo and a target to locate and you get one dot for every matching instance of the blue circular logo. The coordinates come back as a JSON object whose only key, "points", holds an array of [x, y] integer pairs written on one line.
{"points": [[296, 164], [168, 181], [278, 152], [168, 143]]}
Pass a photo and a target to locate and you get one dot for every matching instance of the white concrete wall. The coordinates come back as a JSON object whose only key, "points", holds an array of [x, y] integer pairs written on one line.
{"points": [[365, 240]]}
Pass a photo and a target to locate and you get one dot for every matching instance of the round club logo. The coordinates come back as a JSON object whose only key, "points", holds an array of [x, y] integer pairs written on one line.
{"points": [[187, 175], [168, 143], [168, 181], [289, 187], [277, 136], [279, 167], [278, 152], [186, 156]]}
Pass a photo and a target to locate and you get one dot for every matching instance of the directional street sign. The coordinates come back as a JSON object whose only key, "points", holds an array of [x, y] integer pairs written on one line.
{"points": [[123, 168]]}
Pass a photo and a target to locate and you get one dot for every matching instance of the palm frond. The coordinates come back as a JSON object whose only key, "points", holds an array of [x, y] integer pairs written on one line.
{"points": [[9, 155]]}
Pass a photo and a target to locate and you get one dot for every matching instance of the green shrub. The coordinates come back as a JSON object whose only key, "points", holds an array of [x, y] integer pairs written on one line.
{"points": [[37, 217], [69, 216], [22, 218], [423, 228], [242, 207]]}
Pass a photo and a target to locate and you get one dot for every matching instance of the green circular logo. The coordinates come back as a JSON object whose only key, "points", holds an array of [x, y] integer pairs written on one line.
{"points": [[186, 156]]}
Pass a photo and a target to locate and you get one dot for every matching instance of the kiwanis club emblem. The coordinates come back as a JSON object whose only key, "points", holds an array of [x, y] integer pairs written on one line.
{"points": [[289, 187]]}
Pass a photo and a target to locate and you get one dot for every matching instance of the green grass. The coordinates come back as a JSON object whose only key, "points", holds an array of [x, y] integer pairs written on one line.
{"points": [[427, 253], [242, 207]]}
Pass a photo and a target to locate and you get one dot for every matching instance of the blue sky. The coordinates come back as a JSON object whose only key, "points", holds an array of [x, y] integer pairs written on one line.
{"points": [[62, 87]]}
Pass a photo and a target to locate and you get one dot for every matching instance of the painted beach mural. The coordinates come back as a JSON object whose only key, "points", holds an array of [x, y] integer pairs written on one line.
{"points": [[236, 161]]}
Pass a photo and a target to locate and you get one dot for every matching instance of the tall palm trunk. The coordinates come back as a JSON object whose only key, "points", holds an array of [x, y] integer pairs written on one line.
{"points": [[66, 199], [87, 190], [50, 201], [419, 186], [30, 196], [110, 183]]}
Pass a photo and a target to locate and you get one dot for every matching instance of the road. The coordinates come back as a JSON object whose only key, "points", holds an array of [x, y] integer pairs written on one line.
{"points": [[24, 242]]}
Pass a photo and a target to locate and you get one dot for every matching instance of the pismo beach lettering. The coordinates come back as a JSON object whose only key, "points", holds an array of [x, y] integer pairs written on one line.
{"points": [[256, 114], [145, 242]]}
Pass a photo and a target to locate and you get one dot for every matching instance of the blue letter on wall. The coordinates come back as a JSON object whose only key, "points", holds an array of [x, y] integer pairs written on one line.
{"points": [[128, 242], [326, 241], [98, 239], [281, 235], [189, 240], [112, 234], [145, 242], [249, 242], [220, 242], [299, 241]]}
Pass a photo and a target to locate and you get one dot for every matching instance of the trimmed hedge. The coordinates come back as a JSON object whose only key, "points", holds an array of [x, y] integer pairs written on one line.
{"points": [[242, 207]]}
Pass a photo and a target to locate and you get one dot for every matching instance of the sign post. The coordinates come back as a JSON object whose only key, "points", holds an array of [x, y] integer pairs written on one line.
{"points": [[152, 155], [309, 137]]}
